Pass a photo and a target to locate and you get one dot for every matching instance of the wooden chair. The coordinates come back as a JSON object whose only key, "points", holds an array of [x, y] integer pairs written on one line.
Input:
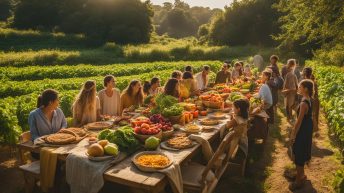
{"points": [[24, 138], [30, 170], [201, 178]]}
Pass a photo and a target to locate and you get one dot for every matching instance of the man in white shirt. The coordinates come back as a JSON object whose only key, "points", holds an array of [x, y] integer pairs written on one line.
{"points": [[202, 78]]}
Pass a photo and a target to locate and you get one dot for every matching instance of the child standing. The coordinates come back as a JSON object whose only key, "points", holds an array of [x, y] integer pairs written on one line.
{"points": [[290, 89], [301, 135]]}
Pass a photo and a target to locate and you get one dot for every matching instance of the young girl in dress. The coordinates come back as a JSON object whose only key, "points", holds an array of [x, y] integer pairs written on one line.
{"points": [[301, 135], [290, 89], [239, 123]]}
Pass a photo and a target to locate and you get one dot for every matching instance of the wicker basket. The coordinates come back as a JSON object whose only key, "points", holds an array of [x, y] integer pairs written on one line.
{"points": [[214, 105], [175, 119]]}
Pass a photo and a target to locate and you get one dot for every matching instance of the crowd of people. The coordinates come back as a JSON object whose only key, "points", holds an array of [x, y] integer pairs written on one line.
{"points": [[299, 92]]}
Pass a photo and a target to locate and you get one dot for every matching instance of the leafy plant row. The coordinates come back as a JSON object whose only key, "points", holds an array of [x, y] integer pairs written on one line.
{"points": [[330, 80], [87, 70], [18, 88]]}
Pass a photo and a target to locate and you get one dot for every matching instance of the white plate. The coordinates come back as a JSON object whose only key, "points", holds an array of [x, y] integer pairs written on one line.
{"points": [[92, 126], [150, 169], [192, 131], [164, 145]]}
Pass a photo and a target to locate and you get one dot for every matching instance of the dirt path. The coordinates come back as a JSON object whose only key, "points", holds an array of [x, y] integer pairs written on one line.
{"points": [[320, 172], [269, 161]]}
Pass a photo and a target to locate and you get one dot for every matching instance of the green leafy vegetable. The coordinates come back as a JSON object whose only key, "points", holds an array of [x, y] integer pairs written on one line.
{"points": [[125, 139]]}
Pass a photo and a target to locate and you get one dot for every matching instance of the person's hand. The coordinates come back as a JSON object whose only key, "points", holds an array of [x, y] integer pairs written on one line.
{"points": [[291, 141], [285, 91]]}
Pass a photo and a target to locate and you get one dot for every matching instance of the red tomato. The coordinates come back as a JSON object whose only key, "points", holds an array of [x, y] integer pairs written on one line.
{"points": [[144, 131], [204, 113]]}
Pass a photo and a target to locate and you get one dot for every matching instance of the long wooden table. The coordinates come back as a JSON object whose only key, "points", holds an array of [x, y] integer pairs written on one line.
{"points": [[127, 174]]}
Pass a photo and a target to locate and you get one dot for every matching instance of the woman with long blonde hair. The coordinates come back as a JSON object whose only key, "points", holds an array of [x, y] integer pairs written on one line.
{"points": [[86, 107]]}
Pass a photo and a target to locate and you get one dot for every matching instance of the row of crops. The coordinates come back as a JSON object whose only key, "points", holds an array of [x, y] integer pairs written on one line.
{"points": [[330, 81], [21, 86]]}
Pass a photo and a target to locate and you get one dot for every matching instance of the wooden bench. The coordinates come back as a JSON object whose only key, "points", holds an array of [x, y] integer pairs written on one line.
{"points": [[30, 170]]}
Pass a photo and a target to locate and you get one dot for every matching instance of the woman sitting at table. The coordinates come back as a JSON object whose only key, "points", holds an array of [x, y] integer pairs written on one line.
{"points": [[247, 71], [132, 96], [237, 71], [172, 88], [110, 102], [188, 86], [47, 118], [86, 107], [152, 87], [239, 123], [177, 75]]}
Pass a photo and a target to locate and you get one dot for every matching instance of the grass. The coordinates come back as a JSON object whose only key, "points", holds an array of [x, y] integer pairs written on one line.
{"points": [[27, 47]]}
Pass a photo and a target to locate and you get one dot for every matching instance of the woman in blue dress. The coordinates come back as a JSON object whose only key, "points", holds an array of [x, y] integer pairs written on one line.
{"points": [[47, 118], [301, 136]]}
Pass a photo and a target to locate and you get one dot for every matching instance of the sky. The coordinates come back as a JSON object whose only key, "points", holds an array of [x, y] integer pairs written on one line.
{"points": [[204, 3]]}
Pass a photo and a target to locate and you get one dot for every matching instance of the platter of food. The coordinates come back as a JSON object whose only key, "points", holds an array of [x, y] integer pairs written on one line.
{"points": [[209, 122], [178, 142], [151, 161], [208, 128], [63, 137], [98, 125], [102, 151], [218, 115], [191, 128]]}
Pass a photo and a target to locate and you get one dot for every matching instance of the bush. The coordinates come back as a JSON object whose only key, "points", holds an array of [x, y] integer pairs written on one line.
{"points": [[331, 91], [9, 129]]}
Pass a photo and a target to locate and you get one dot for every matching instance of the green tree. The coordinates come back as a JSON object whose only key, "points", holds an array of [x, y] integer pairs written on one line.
{"points": [[311, 24], [5, 9], [36, 14], [245, 22], [178, 23]]}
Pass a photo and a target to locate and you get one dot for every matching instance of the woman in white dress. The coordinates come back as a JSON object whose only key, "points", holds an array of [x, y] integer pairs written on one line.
{"points": [[110, 98]]}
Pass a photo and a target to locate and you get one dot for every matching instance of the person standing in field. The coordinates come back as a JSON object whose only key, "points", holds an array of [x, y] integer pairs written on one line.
{"points": [[273, 65], [86, 107], [223, 76], [202, 78], [274, 90], [109, 97], [290, 89], [258, 61], [307, 73], [301, 135], [131, 96], [47, 118]]}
